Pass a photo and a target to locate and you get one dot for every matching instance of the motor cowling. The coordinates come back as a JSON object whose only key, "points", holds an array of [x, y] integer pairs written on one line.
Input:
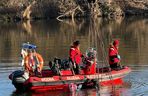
{"points": [[19, 76]]}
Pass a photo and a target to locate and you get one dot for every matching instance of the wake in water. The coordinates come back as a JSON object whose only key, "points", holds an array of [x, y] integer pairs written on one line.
{"points": [[138, 79]]}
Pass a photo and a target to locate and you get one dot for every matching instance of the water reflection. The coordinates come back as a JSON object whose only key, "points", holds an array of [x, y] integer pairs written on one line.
{"points": [[53, 39], [117, 90]]}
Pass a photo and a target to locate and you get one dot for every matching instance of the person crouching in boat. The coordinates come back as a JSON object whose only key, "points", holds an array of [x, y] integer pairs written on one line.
{"points": [[76, 56], [114, 57], [33, 63], [90, 61]]}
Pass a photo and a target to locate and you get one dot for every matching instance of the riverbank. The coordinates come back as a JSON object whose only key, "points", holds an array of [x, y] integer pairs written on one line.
{"points": [[16, 10]]}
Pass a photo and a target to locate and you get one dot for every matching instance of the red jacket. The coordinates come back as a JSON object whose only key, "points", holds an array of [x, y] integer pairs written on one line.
{"points": [[113, 52], [75, 55]]}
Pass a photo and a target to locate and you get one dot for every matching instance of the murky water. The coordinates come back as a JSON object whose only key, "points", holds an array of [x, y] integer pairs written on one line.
{"points": [[53, 39]]}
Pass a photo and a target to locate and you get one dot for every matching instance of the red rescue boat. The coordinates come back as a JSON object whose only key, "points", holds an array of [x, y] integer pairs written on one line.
{"points": [[50, 82], [60, 75]]}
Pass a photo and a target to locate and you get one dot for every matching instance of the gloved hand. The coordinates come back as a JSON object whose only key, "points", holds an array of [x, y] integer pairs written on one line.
{"points": [[118, 56]]}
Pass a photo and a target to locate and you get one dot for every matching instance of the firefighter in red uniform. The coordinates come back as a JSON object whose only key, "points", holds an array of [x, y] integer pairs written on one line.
{"points": [[76, 56], [114, 57]]}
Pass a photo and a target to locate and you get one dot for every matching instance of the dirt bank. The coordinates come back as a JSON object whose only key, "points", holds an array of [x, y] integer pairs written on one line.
{"points": [[38, 9]]}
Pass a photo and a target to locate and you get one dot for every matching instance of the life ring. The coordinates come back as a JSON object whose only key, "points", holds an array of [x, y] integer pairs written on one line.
{"points": [[33, 62]]}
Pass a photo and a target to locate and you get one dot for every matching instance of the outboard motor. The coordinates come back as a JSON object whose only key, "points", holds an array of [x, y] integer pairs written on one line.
{"points": [[55, 66], [65, 64], [59, 65], [18, 78]]}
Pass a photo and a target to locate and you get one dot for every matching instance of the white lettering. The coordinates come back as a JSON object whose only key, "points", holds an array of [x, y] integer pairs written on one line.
{"points": [[92, 76], [73, 78], [47, 79]]}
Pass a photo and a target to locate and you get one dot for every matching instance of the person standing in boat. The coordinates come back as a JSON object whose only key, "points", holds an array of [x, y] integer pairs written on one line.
{"points": [[76, 56], [33, 63], [114, 57]]}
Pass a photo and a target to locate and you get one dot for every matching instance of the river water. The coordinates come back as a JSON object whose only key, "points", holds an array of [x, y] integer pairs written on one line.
{"points": [[53, 39]]}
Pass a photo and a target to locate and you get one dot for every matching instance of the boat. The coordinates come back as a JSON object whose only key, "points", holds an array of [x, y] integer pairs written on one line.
{"points": [[62, 79]]}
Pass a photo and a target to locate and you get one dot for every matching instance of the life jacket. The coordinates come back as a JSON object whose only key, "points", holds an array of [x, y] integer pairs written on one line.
{"points": [[113, 55], [75, 55]]}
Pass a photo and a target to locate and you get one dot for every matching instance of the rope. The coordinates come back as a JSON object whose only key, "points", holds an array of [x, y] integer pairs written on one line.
{"points": [[103, 51], [107, 63]]}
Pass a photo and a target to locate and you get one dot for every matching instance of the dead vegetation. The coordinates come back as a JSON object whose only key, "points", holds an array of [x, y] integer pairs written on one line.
{"points": [[37, 9]]}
